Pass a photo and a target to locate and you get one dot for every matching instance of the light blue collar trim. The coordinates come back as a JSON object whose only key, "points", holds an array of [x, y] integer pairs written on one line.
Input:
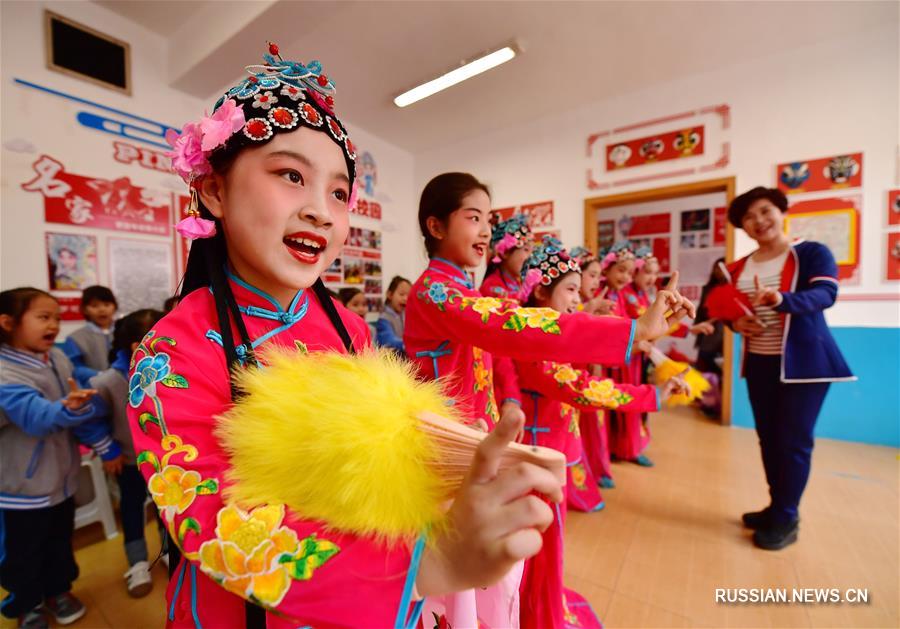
{"points": [[464, 276]]}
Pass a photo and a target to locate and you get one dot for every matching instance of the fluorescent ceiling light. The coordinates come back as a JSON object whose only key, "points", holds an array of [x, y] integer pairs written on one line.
{"points": [[467, 71]]}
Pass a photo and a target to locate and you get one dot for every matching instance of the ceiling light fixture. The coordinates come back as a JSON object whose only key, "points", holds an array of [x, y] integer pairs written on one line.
{"points": [[465, 71]]}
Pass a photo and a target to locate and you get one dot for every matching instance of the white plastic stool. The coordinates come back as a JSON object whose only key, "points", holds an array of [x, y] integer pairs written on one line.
{"points": [[99, 509]]}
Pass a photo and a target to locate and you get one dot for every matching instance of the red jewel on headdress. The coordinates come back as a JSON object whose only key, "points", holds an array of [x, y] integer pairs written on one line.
{"points": [[310, 114], [329, 101], [283, 117], [323, 80], [257, 129], [253, 79], [273, 49]]}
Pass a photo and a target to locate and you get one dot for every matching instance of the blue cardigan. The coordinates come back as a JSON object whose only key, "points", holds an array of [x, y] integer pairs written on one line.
{"points": [[809, 285]]}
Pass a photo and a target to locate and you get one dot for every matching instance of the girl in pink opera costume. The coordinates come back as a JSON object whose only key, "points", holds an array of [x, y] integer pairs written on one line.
{"points": [[271, 172], [553, 394], [452, 330]]}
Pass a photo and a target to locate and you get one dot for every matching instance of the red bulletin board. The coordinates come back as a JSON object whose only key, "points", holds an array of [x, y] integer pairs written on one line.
{"points": [[650, 224], [893, 207], [835, 223], [826, 173], [893, 256]]}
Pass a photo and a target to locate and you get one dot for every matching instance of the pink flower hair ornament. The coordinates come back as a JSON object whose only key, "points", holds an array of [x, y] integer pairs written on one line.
{"points": [[192, 147], [506, 243], [532, 279]]}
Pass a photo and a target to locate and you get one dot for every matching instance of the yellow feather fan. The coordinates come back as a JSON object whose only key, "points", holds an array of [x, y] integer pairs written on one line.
{"points": [[354, 441], [666, 368]]}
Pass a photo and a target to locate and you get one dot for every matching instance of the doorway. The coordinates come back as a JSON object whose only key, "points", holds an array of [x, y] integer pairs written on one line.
{"points": [[686, 226]]}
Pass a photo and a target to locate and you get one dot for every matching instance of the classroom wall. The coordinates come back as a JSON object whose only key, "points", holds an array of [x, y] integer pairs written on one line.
{"points": [[35, 123], [836, 96]]}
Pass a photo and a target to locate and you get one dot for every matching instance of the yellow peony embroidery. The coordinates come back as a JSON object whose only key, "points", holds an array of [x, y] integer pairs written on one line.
{"points": [[578, 476], [486, 306], [245, 556], [601, 392], [482, 375], [564, 374], [537, 317], [173, 489]]}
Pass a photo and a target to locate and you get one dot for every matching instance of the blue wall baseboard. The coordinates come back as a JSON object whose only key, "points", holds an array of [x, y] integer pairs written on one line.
{"points": [[868, 410]]}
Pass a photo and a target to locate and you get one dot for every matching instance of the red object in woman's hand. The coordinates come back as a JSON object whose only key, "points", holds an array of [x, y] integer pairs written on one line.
{"points": [[728, 303]]}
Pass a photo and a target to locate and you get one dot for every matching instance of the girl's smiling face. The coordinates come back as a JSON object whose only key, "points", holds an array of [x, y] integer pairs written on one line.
{"points": [[590, 280], [465, 236], [620, 274], [283, 209], [646, 277], [564, 296], [514, 260]]}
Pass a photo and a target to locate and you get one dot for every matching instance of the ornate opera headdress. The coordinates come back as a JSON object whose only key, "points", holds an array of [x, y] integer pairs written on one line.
{"points": [[547, 262], [278, 96], [512, 233], [642, 256], [583, 255], [617, 253]]}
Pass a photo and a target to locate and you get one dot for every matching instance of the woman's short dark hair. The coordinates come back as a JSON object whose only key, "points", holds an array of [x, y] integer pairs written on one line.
{"points": [[441, 197], [742, 203]]}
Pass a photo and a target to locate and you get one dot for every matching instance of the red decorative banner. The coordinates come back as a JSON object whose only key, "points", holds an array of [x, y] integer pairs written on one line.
{"points": [[661, 147], [893, 207], [539, 214], [118, 205], [720, 223], [650, 224], [826, 173], [69, 308], [893, 257]]}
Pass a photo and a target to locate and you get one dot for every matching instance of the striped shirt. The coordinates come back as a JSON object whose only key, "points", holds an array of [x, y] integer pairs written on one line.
{"points": [[769, 340]]}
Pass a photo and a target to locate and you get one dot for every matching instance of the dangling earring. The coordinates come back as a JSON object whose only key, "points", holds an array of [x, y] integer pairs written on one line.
{"points": [[193, 226]]}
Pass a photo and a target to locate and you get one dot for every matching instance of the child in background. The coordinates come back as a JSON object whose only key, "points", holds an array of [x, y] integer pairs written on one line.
{"points": [[112, 385], [354, 300], [88, 346], [628, 437], [42, 414], [389, 329], [452, 332], [554, 394], [593, 297], [511, 244]]}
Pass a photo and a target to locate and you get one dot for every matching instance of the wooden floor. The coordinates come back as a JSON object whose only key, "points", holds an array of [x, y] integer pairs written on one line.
{"points": [[670, 536]]}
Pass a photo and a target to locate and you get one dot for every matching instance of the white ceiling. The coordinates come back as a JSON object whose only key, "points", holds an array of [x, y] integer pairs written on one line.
{"points": [[574, 52]]}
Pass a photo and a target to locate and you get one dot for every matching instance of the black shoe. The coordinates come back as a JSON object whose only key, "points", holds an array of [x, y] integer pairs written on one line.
{"points": [[35, 619], [756, 519], [65, 608], [776, 536]]}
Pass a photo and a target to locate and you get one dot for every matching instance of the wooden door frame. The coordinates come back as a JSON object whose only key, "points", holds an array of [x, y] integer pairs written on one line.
{"points": [[724, 184]]}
